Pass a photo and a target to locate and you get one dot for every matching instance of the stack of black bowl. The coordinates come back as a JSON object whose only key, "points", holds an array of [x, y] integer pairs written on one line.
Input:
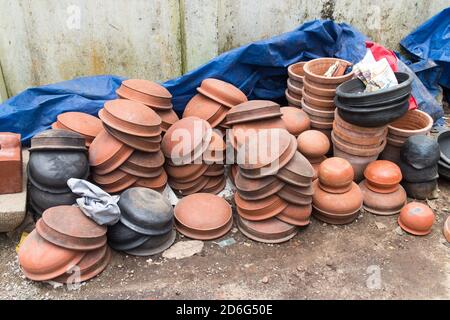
{"points": [[419, 158], [444, 161], [146, 223], [55, 157]]}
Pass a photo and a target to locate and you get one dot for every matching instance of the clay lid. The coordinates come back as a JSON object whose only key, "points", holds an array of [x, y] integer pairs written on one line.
{"points": [[145, 211], [292, 195], [41, 260], [141, 172], [122, 238], [188, 172], [215, 185], [342, 203], [115, 181], [158, 183], [82, 123], [148, 87], [260, 209], [222, 92], [215, 170], [253, 110], [384, 204], [257, 189], [148, 160], [190, 186], [313, 143], [151, 144], [336, 175], [332, 218], [296, 120], [201, 107], [383, 176], [416, 218], [215, 153], [296, 215], [168, 118], [154, 245], [243, 132], [446, 229], [57, 139], [131, 117], [69, 227], [298, 171], [267, 231], [147, 92]]}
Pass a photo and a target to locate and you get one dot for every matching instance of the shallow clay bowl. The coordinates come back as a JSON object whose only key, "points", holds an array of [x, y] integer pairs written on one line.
{"points": [[268, 231], [315, 70], [151, 144], [414, 122], [253, 110], [416, 218], [319, 103], [82, 123], [296, 72], [293, 99], [147, 92]]}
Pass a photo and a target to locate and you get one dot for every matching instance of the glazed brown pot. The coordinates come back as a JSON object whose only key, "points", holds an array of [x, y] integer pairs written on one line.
{"points": [[336, 175], [343, 203], [313, 144], [383, 176], [268, 231], [222, 92], [382, 203], [315, 69], [296, 120], [416, 218]]}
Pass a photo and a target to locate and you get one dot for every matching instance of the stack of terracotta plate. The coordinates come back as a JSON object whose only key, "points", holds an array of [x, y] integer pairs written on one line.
{"points": [[294, 91], [152, 95], [214, 100], [65, 247], [195, 157], [127, 152], [314, 145], [146, 223], [85, 124]]}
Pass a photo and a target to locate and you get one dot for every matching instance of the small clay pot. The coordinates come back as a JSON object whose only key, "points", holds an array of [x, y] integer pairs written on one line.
{"points": [[296, 72], [336, 175], [383, 176], [296, 120], [359, 163], [313, 144], [268, 231], [416, 218], [414, 122], [342, 203], [222, 92], [420, 151], [296, 215], [383, 204], [420, 190]]}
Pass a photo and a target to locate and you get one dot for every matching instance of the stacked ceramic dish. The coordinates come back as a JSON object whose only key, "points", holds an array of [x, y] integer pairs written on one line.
{"points": [[295, 120], [337, 199], [195, 157], [319, 90], [127, 152], [65, 247], [55, 157], [314, 145], [294, 91], [203, 216], [444, 161], [419, 158], [153, 95], [85, 124], [416, 218], [414, 122], [382, 192], [145, 227], [359, 145]]}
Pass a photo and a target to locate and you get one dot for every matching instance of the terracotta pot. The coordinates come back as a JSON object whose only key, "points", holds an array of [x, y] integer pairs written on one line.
{"points": [[296, 72], [315, 69], [253, 110], [268, 231], [222, 92], [115, 181], [351, 145], [147, 92], [416, 218], [318, 92], [296, 215], [313, 144], [414, 122], [421, 190], [83, 123], [359, 163], [158, 184], [324, 104], [420, 152], [358, 151], [383, 176], [294, 87], [257, 189], [336, 175], [383, 204], [296, 120], [446, 229], [151, 144], [56, 139], [318, 115], [122, 238], [356, 139], [204, 108], [342, 203], [168, 118], [261, 209], [390, 153], [298, 171], [293, 99]]}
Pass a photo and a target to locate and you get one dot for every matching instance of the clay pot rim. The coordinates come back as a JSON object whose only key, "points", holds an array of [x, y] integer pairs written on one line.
{"points": [[308, 86], [293, 88], [405, 132], [257, 238], [358, 152], [292, 72], [324, 113], [321, 78], [291, 99], [318, 102], [370, 110]]}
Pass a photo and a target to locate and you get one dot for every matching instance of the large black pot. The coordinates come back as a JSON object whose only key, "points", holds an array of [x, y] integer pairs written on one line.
{"points": [[444, 169], [443, 140], [43, 200], [372, 117], [122, 238], [154, 245], [420, 151], [352, 92], [411, 174], [421, 190]]}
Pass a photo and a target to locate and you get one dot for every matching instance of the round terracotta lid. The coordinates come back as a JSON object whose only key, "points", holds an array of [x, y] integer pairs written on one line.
{"points": [[150, 144], [383, 176], [296, 120], [298, 171], [215, 185], [158, 183], [146, 160], [107, 151], [267, 231], [252, 111], [313, 143], [192, 186], [186, 172], [416, 218], [222, 92], [58, 139], [215, 170], [257, 189], [115, 181], [336, 175], [342, 203], [446, 229], [168, 118], [82, 123], [242, 132], [42, 260], [384, 204], [260, 209], [291, 195], [296, 215], [201, 107], [147, 87]]}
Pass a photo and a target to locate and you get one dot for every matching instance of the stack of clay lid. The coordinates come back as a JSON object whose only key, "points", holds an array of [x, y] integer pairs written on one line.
{"points": [[146, 223], [128, 151], [152, 95], [195, 157], [382, 192], [55, 156], [64, 243], [319, 90], [295, 84], [85, 124], [295, 119], [337, 199], [203, 216], [416, 218], [314, 145]]}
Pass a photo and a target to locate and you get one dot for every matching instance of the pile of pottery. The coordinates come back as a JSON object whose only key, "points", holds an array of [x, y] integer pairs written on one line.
{"points": [[145, 227], [382, 192], [319, 90], [359, 145], [419, 158], [414, 122], [65, 247], [203, 216], [195, 157], [295, 120], [444, 161], [337, 199], [85, 124], [213, 101], [153, 95], [314, 145], [294, 91], [127, 152], [55, 157], [416, 218]]}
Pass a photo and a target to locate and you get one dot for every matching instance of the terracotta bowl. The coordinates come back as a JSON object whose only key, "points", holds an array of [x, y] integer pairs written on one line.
{"points": [[215, 185], [343, 203], [296, 215], [313, 144], [204, 108], [358, 138], [293, 196], [293, 99], [294, 86], [383, 176], [356, 150], [268, 231], [414, 122], [390, 153], [382, 203], [315, 69], [416, 218], [318, 92], [151, 144], [325, 127], [296, 120], [222, 92], [296, 72], [317, 115], [319, 103], [80, 122], [158, 183], [115, 181], [243, 132], [336, 175], [359, 163]]}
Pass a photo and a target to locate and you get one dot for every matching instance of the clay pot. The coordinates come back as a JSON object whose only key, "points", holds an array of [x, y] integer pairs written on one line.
{"points": [[383, 176], [253, 110], [318, 115], [342, 203], [122, 238], [446, 229], [296, 215], [257, 189], [443, 140], [158, 184], [204, 108], [45, 200], [313, 144], [261, 209], [295, 119], [168, 118], [336, 175], [420, 190], [147, 92], [151, 144], [318, 102], [82, 123], [297, 172], [56, 139], [359, 163], [296, 72], [295, 87], [356, 150], [203, 216], [383, 204], [416, 218], [315, 70], [293, 99], [268, 231], [115, 181], [154, 245], [222, 92], [420, 151], [414, 122], [146, 211], [411, 174], [390, 153], [317, 92]]}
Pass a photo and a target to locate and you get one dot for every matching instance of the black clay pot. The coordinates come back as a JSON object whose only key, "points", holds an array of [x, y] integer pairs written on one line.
{"points": [[420, 151], [411, 174], [50, 170], [154, 245], [372, 117], [443, 140], [122, 238], [444, 170], [421, 190], [146, 211], [58, 139], [352, 93], [44, 200]]}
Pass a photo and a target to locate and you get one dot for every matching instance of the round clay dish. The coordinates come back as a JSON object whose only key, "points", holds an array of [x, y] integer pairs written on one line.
{"points": [[253, 110], [82, 123], [148, 92], [261, 209]]}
